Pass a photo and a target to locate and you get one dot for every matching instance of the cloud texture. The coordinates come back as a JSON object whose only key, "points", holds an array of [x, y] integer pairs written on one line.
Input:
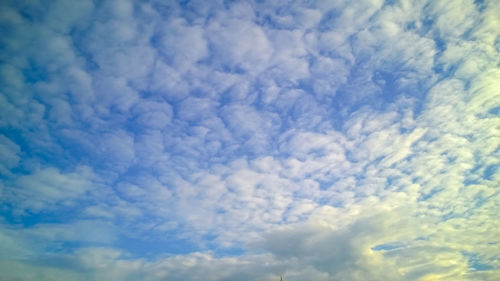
{"points": [[223, 140]]}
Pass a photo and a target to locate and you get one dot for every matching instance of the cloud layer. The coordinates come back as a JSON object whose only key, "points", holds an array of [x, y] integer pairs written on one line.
{"points": [[327, 140]]}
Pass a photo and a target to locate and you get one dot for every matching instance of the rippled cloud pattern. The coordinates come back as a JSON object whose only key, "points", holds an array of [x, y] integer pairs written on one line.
{"points": [[245, 140]]}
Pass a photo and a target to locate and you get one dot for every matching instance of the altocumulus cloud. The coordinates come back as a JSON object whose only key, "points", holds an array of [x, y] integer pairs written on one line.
{"points": [[243, 140]]}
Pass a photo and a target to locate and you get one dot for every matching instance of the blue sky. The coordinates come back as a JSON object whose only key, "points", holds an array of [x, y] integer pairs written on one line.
{"points": [[222, 140]]}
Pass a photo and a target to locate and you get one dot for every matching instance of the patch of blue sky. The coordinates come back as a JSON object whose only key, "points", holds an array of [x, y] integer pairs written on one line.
{"points": [[328, 21], [430, 194], [33, 218], [476, 262], [471, 181], [495, 111], [490, 171], [480, 172], [389, 246], [153, 247], [452, 215]]}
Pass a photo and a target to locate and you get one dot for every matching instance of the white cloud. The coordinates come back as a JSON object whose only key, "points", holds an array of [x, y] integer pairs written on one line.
{"points": [[182, 45], [168, 82], [79, 231], [196, 109], [116, 150], [9, 152], [238, 44], [331, 140], [48, 187], [154, 115], [453, 22], [249, 126]]}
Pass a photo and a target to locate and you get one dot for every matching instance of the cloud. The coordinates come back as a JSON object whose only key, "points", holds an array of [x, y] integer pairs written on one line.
{"points": [[9, 152], [48, 187], [244, 140], [237, 43], [154, 115], [181, 44], [367, 246]]}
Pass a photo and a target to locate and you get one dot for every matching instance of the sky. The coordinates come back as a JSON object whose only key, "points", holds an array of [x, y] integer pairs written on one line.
{"points": [[243, 140]]}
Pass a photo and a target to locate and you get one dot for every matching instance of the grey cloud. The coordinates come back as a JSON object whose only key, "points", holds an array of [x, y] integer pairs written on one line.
{"points": [[300, 251]]}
